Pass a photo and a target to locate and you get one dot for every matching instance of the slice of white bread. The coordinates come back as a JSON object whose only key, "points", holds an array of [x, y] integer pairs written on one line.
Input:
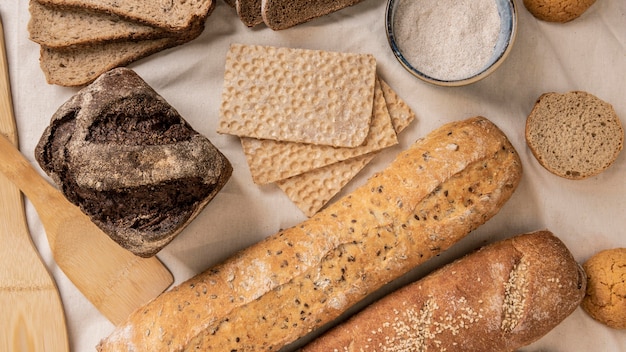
{"points": [[60, 28], [282, 14], [249, 12], [81, 65], [574, 135], [171, 15]]}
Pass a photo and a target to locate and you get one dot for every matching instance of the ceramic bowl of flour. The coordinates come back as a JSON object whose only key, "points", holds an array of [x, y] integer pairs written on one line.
{"points": [[451, 42]]}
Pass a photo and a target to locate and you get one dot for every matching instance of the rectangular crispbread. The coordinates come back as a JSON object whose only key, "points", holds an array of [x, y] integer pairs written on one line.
{"points": [[271, 160], [312, 190], [297, 95]]}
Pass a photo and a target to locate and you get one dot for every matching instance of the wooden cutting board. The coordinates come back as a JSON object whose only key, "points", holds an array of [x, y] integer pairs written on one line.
{"points": [[31, 308]]}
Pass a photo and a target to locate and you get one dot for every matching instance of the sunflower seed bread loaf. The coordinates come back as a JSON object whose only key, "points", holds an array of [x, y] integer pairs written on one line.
{"points": [[502, 297], [282, 288], [127, 158]]}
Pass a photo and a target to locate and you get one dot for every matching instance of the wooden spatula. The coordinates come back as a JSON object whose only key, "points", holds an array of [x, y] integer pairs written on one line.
{"points": [[31, 312], [116, 281]]}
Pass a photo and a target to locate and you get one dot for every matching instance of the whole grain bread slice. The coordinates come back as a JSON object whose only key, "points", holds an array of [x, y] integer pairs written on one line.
{"points": [[574, 135], [249, 11], [81, 65], [61, 28], [176, 16], [282, 14]]}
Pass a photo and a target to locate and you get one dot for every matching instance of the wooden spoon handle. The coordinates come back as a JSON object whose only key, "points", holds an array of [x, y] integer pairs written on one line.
{"points": [[7, 125], [19, 171]]}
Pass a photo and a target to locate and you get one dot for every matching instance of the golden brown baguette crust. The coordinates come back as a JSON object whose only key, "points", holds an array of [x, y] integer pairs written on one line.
{"points": [[502, 297], [274, 292]]}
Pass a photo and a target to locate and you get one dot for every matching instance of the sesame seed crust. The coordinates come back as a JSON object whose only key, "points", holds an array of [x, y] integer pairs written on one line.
{"points": [[499, 298]]}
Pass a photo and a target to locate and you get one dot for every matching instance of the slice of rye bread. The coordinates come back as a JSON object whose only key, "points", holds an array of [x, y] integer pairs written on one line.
{"points": [[61, 28], [249, 12], [81, 65], [574, 135], [282, 14], [175, 16]]}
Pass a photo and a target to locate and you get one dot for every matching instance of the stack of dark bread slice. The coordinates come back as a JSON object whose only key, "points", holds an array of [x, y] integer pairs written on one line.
{"points": [[81, 39], [282, 14]]}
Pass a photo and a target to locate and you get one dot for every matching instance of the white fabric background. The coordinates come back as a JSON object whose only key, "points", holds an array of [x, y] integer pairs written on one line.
{"points": [[586, 54]]}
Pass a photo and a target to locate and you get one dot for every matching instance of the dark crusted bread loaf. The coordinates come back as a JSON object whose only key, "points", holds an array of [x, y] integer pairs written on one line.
{"points": [[276, 291], [500, 298], [121, 153]]}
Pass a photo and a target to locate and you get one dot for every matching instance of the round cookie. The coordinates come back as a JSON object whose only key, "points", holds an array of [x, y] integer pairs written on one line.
{"points": [[605, 300], [557, 10], [574, 135]]}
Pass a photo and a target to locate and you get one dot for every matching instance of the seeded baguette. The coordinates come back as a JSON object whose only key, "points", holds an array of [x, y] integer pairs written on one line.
{"points": [[272, 293], [500, 298]]}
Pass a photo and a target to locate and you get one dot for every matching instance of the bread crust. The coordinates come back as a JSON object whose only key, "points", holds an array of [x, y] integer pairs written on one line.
{"points": [[502, 297], [272, 293]]}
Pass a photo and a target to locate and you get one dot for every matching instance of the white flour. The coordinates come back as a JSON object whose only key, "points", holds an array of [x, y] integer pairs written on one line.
{"points": [[447, 39]]}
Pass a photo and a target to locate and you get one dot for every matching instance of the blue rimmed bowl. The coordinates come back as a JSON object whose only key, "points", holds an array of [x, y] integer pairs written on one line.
{"points": [[504, 43]]}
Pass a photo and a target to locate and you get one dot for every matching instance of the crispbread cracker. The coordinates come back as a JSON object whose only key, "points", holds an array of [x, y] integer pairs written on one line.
{"points": [[399, 111], [297, 95], [271, 160], [312, 190]]}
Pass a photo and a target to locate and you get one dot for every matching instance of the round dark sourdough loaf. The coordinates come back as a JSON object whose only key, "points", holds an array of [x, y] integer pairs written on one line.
{"points": [[274, 292], [127, 158], [500, 298]]}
